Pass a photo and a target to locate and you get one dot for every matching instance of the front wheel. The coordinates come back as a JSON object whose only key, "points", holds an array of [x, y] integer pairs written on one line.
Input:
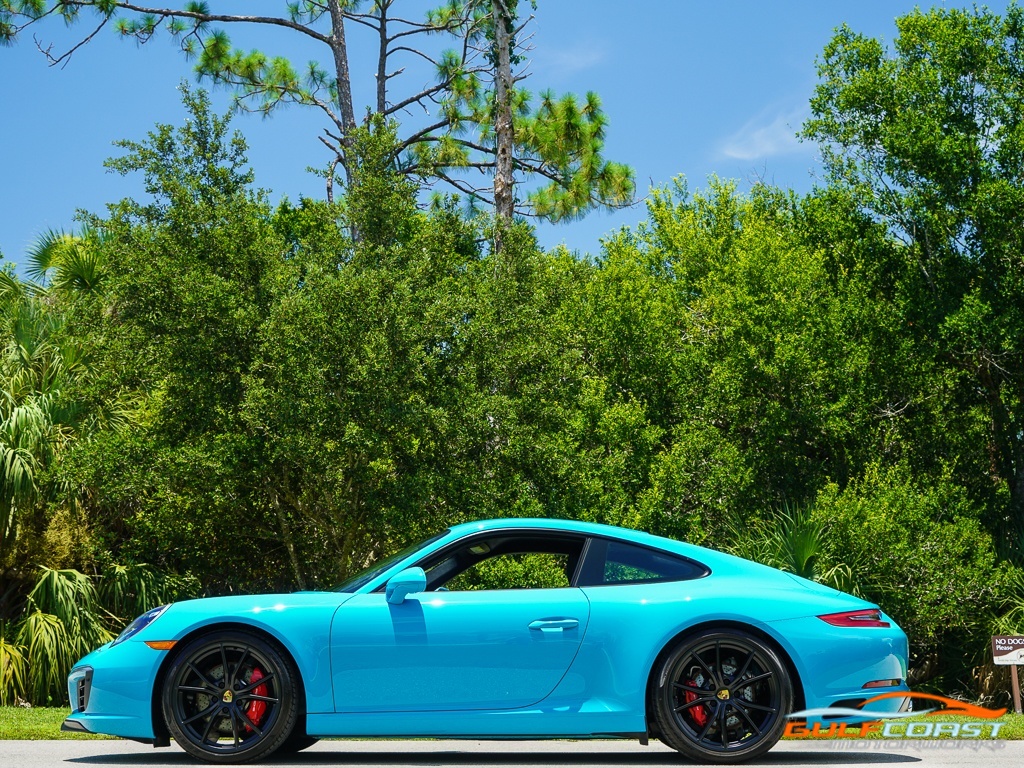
{"points": [[722, 697], [230, 697], [296, 743]]}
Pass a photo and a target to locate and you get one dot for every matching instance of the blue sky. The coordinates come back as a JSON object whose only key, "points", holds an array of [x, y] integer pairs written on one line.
{"points": [[692, 88]]}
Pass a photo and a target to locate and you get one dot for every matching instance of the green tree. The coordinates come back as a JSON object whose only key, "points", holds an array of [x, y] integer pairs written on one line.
{"points": [[415, 381], [190, 276], [345, 390], [769, 367], [30, 427], [928, 137]]}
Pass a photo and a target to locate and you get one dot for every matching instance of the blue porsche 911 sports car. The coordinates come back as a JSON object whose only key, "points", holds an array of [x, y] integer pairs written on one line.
{"points": [[610, 633]]}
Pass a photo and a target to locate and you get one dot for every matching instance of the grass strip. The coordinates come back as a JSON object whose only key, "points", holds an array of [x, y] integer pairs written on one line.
{"points": [[34, 723]]}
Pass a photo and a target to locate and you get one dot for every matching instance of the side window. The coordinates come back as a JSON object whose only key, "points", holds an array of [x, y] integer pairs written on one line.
{"points": [[512, 560], [536, 570], [616, 562]]}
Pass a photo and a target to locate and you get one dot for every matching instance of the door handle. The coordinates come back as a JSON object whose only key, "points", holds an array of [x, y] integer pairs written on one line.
{"points": [[554, 625]]}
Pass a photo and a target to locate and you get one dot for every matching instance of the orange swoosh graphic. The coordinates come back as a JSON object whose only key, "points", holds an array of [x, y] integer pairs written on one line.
{"points": [[950, 706]]}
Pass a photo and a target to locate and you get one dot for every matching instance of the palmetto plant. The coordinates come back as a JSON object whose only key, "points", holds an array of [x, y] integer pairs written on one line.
{"points": [[790, 540], [40, 370], [13, 670], [129, 590], [37, 418], [68, 262], [68, 614], [63, 622], [48, 649], [71, 597], [29, 391]]}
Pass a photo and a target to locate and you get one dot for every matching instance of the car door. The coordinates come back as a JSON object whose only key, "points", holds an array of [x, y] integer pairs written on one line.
{"points": [[455, 650]]}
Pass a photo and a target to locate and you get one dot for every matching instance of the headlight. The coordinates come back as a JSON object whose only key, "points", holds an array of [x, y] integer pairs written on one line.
{"points": [[140, 624]]}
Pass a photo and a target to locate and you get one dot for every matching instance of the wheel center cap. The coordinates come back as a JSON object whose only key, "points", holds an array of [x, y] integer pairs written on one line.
{"points": [[229, 695], [723, 694]]}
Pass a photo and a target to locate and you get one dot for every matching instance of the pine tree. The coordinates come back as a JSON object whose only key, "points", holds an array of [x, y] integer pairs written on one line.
{"points": [[479, 121]]}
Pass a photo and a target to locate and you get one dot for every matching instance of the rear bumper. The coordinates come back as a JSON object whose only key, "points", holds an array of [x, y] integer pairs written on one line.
{"points": [[835, 663], [865, 701]]}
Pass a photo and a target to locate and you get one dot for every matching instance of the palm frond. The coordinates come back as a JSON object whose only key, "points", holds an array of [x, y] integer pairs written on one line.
{"points": [[50, 653], [11, 288], [791, 540], [13, 672], [68, 262], [129, 590], [45, 252], [71, 596]]}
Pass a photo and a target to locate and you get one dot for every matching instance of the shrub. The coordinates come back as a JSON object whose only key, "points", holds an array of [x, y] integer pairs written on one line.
{"points": [[920, 552]]}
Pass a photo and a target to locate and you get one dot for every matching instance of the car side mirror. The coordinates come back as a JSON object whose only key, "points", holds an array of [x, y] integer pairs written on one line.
{"points": [[405, 583]]}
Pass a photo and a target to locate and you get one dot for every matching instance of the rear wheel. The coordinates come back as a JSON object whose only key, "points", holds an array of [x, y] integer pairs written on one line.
{"points": [[230, 697], [722, 697]]}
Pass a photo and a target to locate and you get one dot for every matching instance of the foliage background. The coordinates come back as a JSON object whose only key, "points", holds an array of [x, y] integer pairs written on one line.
{"points": [[204, 393]]}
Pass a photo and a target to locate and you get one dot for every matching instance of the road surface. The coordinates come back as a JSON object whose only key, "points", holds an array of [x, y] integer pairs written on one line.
{"points": [[527, 754]]}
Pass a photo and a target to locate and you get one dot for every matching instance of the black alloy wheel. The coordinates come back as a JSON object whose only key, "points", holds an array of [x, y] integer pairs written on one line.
{"points": [[230, 697], [722, 697]]}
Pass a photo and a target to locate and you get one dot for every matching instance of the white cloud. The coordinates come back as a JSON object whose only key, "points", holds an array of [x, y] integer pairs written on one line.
{"points": [[571, 60], [769, 134]]}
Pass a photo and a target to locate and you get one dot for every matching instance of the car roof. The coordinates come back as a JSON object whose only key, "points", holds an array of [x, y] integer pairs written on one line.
{"points": [[575, 526], [717, 561]]}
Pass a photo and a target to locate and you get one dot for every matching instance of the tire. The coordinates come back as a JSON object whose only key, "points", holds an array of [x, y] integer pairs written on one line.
{"points": [[296, 743], [721, 696], [230, 697]]}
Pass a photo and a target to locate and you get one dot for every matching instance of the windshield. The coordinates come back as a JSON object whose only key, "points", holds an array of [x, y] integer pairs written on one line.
{"points": [[367, 575]]}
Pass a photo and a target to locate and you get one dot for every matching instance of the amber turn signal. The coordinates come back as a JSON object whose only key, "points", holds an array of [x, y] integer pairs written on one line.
{"points": [[882, 683], [161, 645]]}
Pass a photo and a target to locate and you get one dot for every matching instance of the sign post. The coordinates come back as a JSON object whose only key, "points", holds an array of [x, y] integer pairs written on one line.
{"points": [[1008, 650]]}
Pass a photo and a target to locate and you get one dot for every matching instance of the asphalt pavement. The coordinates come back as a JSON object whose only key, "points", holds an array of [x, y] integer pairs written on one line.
{"points": [[531, 754]]}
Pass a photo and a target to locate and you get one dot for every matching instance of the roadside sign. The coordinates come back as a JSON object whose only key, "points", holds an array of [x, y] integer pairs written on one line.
{"points": [[1009, 650]]}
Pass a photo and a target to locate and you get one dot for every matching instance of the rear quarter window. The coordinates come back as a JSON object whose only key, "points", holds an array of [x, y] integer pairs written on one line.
{"points": [[617, 562]]}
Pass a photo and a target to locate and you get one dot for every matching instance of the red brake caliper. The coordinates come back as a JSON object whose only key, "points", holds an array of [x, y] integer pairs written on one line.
{"points": [[700, 712], [255, 710]]}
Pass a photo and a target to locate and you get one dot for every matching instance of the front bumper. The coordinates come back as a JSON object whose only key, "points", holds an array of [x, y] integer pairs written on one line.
{"points": [[111, 691], [73, 726]]}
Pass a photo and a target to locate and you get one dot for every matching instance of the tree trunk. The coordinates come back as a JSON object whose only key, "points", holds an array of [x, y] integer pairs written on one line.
{"points": [[340, 50], [504, 202], [382, 59]]}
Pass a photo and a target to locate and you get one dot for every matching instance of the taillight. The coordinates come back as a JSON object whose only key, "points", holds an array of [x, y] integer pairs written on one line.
{"points": [[871, 617]]}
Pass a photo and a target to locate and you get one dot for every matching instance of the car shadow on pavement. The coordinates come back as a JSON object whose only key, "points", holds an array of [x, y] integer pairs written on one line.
{"points": [[442, 758]]}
